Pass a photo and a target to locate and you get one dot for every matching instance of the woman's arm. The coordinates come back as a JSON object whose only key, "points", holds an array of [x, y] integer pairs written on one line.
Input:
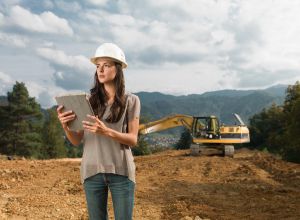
{"points": [[98, 127], [129, 138], [74, 137]]}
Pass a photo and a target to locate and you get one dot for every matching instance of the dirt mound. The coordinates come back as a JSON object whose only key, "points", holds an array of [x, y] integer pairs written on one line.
{"points": [[170, 185]]}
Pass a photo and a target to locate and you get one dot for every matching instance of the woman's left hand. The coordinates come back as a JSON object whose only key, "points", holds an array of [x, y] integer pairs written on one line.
{"points": [[96, 126]]}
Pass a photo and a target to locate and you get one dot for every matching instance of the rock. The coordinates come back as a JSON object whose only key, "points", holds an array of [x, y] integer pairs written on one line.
{"points": [[197, 218]]}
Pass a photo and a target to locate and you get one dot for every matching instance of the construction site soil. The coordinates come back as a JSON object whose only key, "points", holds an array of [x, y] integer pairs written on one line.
{"points": [[170, 185]]}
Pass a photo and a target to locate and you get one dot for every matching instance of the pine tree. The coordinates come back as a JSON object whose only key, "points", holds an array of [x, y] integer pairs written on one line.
{"points": [[53, 137], [24, 123], [185, 140]]}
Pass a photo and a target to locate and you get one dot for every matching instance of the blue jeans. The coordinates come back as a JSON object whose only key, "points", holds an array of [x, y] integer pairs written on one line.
{"points": [[122, 193]]}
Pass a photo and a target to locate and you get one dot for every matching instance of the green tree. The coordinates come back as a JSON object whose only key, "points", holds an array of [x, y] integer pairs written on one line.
{"points": [[292, 96], [291, 150], [22, 134], [267, 128], [277, 129], [53, 137], [185, 140], [142, 147]]}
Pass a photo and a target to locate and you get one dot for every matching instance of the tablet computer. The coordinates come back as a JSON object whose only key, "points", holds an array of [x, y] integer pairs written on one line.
{"points": [[80, 105]]}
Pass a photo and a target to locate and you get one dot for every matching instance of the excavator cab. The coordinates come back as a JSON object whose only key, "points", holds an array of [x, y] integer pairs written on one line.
{"points": [[206, 127]]}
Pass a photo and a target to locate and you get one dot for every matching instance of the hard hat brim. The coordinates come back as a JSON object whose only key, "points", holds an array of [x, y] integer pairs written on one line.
{"points": [[124, 65]]}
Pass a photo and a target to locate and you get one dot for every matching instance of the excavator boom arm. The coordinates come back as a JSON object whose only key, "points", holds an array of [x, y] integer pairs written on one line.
{"points": [[166, 123]]}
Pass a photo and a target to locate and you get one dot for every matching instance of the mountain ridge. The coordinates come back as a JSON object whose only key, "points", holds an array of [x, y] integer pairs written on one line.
{"points": [[222, 103]]}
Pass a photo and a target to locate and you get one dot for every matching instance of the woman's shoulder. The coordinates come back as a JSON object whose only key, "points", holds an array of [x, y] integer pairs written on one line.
{"points": [[133, 106], [132, 100]]}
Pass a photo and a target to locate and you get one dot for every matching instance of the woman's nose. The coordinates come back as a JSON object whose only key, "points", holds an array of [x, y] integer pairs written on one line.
{"points": [[100, 68]]}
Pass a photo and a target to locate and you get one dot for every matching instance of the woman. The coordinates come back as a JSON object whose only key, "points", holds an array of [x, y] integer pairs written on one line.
{"points": [[107, 161]]}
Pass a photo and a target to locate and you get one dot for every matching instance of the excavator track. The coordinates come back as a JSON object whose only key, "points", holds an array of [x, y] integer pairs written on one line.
{"points": [[212, 150]]}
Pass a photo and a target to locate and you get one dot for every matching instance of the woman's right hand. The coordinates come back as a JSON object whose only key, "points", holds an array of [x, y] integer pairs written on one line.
{"points": [[65, 117]]}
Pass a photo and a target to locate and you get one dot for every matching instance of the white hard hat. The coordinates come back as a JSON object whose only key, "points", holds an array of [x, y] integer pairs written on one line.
{"points": [[112, 51]]}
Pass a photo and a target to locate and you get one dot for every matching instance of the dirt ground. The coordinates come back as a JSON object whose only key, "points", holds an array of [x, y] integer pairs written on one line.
{"points": [[170, 185]]}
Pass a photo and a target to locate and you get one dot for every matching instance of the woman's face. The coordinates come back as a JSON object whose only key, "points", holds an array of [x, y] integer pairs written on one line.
{"points": [[106, 70]]}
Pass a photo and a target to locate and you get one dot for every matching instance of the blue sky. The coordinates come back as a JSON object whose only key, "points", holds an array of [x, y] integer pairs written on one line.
{"points": [[172, 46]]}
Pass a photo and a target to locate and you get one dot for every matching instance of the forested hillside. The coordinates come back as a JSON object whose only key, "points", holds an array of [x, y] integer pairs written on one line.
{"points": [[220, 103], [28, 130]]}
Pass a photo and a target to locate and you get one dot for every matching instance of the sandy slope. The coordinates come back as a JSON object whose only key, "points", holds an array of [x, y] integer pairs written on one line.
{"points": [[170, 185]]}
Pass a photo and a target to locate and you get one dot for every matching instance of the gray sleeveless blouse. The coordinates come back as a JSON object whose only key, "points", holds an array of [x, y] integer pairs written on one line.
{"points": [[102, 154]]}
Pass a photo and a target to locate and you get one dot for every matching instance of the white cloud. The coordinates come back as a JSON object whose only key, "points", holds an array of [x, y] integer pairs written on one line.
{"points": [[104, 17], [5, 78], [121, 20], [48, 44], [223, 40], [202, 11], [6, 82], [60, 58], [6, 4], [46, 22], [268, 42], [70, 72], [14, 40], [279, 33]]}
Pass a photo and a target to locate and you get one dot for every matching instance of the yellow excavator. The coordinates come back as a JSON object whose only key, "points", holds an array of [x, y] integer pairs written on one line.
{"points": [[209, 137]]}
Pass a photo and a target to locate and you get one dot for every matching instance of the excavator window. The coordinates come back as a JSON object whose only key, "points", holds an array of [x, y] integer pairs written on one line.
{"points": [[205, 127], [200, 127]]}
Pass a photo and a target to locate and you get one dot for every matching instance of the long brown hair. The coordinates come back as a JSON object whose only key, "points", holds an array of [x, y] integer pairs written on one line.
{"points": [[99, 97]]}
